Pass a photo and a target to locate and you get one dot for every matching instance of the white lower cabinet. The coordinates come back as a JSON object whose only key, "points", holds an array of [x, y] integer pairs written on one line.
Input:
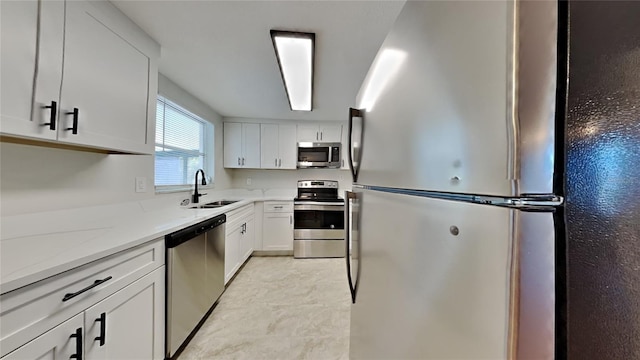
{"points": [[239, 240], [246, 243], [111, 308], [277, 226], [128, 324], [60, 343], [231, 253]]}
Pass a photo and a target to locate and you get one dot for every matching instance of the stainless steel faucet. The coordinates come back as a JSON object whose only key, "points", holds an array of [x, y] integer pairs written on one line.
{"points": [[195, 198]]}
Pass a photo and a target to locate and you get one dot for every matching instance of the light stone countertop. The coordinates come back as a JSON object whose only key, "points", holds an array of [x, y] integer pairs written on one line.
{"points": [[39, 245]]}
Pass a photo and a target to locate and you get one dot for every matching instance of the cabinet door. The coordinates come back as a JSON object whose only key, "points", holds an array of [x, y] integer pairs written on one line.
{"points": [[18, 31], [308, 133], [247, 239], [287, 147], [232, 145], [269, 146], [130, 323], [55, 344], [107, 79], [251, 146], [277, 231], [232, 253], [330, 133]]}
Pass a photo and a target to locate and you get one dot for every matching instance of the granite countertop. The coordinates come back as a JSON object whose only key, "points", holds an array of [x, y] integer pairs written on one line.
{"points": [[39, 245]]}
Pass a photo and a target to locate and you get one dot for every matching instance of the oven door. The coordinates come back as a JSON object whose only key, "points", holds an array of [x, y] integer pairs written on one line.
{"points": [[318, 220]]}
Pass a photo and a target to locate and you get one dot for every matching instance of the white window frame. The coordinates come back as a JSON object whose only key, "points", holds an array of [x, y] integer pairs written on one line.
{"points": [[209, 155]]}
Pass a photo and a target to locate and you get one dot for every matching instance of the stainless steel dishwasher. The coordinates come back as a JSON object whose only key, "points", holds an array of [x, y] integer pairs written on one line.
{"points": [[195, 279]]}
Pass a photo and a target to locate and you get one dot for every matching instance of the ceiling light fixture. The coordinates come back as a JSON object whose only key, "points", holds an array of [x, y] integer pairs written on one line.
{"points": [[295, 54]]}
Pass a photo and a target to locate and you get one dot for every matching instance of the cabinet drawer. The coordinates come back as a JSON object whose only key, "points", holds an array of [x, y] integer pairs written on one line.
{"points": [[278, 206], [238, 216], [32, 310]]}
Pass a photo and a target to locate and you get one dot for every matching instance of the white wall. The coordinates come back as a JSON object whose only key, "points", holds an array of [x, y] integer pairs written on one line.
{"points": [[35, 179], [286, 179]]}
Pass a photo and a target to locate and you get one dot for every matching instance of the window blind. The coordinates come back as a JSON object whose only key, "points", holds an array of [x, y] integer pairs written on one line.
{"points": [[180, 144]]}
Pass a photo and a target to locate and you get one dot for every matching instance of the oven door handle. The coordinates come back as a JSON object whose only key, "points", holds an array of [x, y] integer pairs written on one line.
{"points": [[319, 206]]}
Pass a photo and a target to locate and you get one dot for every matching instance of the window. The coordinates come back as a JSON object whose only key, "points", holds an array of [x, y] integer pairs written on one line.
{"points": [[181, 144]]}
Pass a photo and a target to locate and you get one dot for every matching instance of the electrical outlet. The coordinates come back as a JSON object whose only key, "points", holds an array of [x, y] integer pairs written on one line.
{"points": [[248, 181], [141, 184]]}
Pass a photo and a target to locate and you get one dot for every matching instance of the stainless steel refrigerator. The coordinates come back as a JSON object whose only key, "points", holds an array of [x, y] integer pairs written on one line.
{"points": [[457, 235], [494, 147]]}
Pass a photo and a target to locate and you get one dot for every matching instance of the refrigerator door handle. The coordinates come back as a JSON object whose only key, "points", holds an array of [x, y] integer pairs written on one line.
{"points": [[348, 195], [354, 169], [524, 202]]}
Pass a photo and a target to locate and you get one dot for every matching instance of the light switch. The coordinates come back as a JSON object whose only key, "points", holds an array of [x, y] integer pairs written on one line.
{"points": [[248, 181], [141, 184]]}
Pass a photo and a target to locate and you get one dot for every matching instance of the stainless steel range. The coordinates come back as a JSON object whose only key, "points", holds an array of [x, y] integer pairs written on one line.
{"points": [[318, 223]]}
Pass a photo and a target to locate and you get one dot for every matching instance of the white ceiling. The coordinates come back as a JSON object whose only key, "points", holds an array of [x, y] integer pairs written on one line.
{"points": [[221, 51]]}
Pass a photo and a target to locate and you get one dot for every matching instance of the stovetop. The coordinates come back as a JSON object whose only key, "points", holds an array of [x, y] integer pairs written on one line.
{"points": [[318, 191]]}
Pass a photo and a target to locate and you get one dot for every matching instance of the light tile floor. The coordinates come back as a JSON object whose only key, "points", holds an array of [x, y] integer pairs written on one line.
{"points": [[279, 308]]}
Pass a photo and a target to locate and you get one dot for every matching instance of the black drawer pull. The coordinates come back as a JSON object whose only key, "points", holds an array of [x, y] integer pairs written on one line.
{"points": [[74, 128], [78, 336], [52, 115], [70, 296], [103, 328]]}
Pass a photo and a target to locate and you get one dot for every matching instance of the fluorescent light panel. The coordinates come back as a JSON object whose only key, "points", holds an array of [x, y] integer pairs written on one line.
{"points": [[295, 53]]}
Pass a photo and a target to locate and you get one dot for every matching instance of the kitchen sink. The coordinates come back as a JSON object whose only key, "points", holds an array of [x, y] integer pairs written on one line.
{"points": [[221, 202], [215, 204]]}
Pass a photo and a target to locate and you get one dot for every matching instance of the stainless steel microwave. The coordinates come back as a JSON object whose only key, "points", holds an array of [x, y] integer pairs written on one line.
{"points": [[319, 155]]}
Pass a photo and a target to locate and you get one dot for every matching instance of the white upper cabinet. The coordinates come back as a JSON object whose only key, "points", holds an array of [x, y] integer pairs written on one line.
{"points": [[319, 133], [278, 146], [330, 133], [18, 23], [308, 133], [269, 152], [251, 145], [241, 145], [232, 145], [106, 78], [91, 58], [288, 147]]}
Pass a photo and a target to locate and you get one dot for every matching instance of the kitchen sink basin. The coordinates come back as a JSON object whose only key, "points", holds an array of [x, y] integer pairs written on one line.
{"points": [[215, 204], [221, 203]]}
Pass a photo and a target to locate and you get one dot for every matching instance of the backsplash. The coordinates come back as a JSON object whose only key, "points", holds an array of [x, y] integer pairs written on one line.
{"points": [[286, 179]]}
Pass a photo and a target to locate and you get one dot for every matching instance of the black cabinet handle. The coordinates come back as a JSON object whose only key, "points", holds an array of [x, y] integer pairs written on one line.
{"points": [[103, 329], [74, 128], [78, 337], [70, 296], [52, 115]]}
